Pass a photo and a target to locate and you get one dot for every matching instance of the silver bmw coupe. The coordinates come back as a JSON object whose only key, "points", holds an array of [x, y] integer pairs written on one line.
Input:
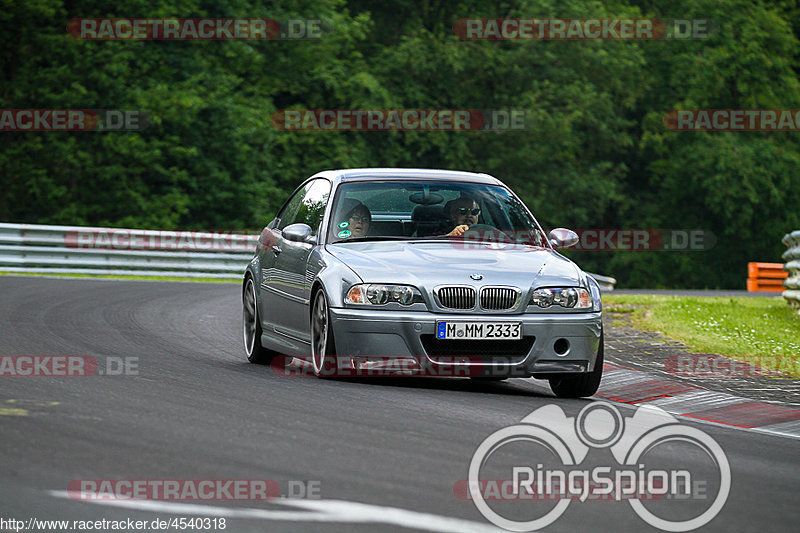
{"points": [[421, 272]]}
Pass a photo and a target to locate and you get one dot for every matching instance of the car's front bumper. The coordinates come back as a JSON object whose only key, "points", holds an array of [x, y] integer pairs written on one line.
{"points": [[365, 333]]}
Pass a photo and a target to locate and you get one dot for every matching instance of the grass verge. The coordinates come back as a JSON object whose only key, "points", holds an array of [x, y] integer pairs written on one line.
{"points": [[763, 331]]}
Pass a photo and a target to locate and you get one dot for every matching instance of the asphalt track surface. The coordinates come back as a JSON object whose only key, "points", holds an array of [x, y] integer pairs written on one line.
{"points": [[385, 453]]}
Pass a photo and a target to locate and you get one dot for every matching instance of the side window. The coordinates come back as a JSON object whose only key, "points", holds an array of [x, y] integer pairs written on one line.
{"points": [[287, 214], [313, 205]]}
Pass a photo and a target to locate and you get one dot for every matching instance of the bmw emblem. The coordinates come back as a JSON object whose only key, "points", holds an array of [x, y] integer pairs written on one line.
{"points": [[476, 277]]}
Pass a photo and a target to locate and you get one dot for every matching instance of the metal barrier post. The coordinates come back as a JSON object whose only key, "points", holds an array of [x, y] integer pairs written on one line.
{"points": [[792, 259]]}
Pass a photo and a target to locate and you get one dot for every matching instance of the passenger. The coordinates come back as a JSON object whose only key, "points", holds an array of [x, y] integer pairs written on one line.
{"points": [[462, 213], [355, 221]]}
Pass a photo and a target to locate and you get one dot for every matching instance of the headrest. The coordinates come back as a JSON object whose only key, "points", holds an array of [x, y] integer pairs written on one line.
{"points": [[427, 213]]}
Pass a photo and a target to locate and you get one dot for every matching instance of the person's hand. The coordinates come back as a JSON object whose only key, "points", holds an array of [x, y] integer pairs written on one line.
{"points": [[458, 230]]}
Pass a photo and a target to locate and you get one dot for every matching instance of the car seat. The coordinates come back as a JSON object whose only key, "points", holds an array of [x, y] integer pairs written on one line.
{"points": [[427, 220]]}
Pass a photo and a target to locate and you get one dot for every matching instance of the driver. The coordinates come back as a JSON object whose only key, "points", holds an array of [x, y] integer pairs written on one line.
{"points": [[461, 213]]}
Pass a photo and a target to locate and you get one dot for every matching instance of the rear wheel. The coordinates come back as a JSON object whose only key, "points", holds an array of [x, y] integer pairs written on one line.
{"points": [[323, 348], [580, 386], [251, 327]]}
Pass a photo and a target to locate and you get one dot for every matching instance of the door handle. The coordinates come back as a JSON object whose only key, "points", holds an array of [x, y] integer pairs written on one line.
{"points": [[276, 249]]}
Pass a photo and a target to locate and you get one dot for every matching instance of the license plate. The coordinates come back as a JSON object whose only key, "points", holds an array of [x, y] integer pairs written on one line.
{"points": [[447, 330]]}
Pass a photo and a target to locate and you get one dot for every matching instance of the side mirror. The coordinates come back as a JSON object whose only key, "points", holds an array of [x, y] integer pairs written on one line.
{"points": [[562, 238], [298, 233]]}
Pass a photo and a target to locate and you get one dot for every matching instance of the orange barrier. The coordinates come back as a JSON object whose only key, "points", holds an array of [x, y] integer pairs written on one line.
{"points": [[765, 277]]}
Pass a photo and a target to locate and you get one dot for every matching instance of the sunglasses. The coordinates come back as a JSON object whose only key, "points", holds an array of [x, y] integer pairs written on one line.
{"points": [[467, 211], [364, 218]]}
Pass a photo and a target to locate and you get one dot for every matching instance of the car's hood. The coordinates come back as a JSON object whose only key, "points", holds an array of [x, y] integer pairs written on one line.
{"points": [[431, 263]]}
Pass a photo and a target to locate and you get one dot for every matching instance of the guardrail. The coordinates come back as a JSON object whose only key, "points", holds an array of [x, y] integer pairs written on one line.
{"points": [[88, 250], [792, 259], [606, 283], [32, 248]]}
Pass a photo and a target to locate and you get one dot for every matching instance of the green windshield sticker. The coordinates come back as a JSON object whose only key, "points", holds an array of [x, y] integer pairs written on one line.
{"points": [[344, 234], [344, 224]]}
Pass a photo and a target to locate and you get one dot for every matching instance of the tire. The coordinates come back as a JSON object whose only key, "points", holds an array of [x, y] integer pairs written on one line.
{"points": [[581, 386], [323, 347], [251, 327]]}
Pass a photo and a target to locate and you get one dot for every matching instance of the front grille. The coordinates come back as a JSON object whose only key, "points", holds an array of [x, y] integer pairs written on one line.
{"points": [[498, 298], [495, 351], [456, 297]]}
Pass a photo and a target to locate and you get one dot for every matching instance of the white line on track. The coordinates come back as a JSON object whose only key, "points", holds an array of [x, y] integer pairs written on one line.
{"points": [[331, 511]]}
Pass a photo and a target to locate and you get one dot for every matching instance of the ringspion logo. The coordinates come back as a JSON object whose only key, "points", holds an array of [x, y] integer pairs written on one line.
{"points": [[541, 460]]}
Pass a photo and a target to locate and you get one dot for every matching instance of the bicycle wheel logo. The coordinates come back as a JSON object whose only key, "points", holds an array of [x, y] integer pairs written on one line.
{"points": [[550, 469]]}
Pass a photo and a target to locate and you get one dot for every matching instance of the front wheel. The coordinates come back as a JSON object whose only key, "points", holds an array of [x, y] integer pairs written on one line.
{"points": [[580, 386], [323, 348]]}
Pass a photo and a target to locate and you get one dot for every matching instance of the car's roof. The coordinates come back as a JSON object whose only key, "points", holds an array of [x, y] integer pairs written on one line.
{"points": [[347, 174]]}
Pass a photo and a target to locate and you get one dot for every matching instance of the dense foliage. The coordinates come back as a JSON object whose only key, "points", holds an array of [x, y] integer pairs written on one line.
{"points": [[596, 152]]}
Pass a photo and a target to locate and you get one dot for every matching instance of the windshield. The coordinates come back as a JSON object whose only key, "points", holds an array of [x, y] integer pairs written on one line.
{"points": [[429, 210]]}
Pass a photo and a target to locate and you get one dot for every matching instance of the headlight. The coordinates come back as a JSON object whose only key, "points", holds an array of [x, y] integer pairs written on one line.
{"points": [[380, 294], [573, 297]]}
